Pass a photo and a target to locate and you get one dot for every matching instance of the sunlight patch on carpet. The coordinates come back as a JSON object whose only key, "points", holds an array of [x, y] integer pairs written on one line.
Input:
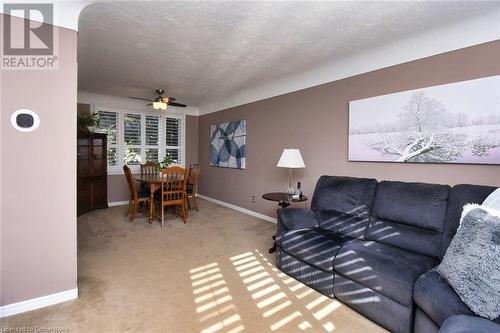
{"points": [[213, 300]]}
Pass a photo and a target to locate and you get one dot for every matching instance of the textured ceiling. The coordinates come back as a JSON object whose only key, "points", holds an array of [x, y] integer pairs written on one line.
{"points": [[205, 51]]}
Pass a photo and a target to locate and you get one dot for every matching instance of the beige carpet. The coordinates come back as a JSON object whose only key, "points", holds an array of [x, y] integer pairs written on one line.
{"points": [[212, 275]]}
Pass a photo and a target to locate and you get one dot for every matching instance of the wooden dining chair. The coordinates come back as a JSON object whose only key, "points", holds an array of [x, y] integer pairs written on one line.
{"points": [[173, 191], [136, 196], [149, 168], [192, 185]]}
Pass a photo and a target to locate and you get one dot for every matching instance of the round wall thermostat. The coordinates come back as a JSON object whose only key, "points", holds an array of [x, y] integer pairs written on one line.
{"points": [[25, 120]]}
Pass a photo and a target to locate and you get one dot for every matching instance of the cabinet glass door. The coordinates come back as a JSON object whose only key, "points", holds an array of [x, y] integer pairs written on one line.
{"points": [[83, 157], [98, 156]]}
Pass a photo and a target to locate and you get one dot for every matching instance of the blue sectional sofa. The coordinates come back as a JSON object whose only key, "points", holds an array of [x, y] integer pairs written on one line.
{"points": [[375, 245]]}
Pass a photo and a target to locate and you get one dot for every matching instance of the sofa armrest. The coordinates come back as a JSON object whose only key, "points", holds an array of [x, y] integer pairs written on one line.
{"points": [[294, 218], [468, 324], [437, 299]]}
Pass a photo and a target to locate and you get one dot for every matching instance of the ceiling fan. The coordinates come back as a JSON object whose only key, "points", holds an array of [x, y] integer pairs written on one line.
{"points": [[161, 102]]}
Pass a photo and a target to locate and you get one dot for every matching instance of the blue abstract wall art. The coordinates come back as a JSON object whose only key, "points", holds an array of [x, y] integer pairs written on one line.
{"points": [[228, 144]]}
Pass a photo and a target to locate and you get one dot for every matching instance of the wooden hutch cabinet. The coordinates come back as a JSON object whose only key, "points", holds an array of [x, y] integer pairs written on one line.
{"points": [[92, 172]]}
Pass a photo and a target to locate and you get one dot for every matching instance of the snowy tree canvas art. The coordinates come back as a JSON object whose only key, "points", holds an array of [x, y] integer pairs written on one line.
{"points": [[452, 123]]}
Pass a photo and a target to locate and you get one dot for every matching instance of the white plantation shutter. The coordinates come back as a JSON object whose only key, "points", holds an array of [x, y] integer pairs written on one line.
{"points": [[132, 138], [152, 139], [173, 138], [108, 121]]}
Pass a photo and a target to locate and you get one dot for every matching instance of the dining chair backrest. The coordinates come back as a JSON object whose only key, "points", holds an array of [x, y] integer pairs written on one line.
{"points": [[192, 185], [194, 173], [173, 185], [149, 168], [130, 181]]}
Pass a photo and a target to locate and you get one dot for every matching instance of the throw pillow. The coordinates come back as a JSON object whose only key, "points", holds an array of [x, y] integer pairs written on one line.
{"points": [[471, 264], [493, 200]]}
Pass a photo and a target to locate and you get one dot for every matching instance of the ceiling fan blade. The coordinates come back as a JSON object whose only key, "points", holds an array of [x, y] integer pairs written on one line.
{"points": [[177, 104], [149, 104], [172, 99], [140, 98]]}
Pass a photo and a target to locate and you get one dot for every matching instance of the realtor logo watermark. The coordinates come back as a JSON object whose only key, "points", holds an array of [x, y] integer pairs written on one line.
{"points": [[29, 43]]}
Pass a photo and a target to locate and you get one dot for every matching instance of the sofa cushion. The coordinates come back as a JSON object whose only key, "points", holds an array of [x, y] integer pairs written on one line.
{"points": [[404, 236], [313, 247], [294, 218], [468, 324], [410, 216], [371, 304], [422, 323], [389, 270], [437, 299], [344, 194], [459, 196], [346, 224], [312, 276], [416, 204]]}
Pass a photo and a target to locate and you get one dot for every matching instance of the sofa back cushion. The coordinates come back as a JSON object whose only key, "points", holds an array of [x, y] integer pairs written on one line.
{"points": [[410, 216], [343, 204], [459, 196]]}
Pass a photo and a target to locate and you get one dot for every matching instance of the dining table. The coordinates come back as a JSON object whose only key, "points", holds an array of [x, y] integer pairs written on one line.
{"points": [[154, 181]]}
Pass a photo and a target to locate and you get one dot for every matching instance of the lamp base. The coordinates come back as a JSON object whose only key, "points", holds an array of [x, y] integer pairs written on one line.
{"points": [[290, 189]]}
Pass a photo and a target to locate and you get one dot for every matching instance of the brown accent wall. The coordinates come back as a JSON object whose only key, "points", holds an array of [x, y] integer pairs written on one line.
{"points": [[38, 180], [315, 120], [117, 186]]}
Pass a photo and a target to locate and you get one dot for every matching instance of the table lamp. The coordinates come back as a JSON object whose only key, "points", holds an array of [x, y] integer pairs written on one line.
{"points": [[291, 159]]}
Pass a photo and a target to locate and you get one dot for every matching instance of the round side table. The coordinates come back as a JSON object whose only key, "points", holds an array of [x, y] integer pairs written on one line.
{"points": [[284, 200]]}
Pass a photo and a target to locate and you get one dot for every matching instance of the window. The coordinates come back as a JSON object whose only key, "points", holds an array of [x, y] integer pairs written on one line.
{"points": [[132, 137], [173, 139], [108, 121], [135, 138], [152, 138]]}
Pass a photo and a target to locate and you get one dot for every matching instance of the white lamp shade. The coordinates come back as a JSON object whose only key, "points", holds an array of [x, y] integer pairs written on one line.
{"points": [[291, 158]]}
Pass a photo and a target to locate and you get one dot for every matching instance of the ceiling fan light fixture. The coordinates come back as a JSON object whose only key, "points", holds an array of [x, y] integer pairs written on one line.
{"points": [[161, 102], [159, 105]]}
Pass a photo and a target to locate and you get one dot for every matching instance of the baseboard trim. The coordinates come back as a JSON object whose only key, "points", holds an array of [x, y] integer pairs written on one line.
{"points": [[238, 208], [37, 303], [117, 203], [219, 202]]}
